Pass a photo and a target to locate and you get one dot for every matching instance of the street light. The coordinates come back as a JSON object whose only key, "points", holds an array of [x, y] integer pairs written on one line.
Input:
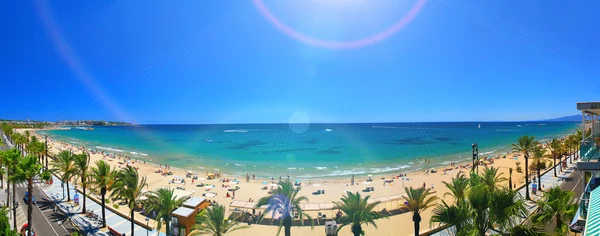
{"points": [[147, 221], [475, 155]]}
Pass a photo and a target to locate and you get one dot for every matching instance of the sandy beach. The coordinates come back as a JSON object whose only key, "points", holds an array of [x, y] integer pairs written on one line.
{"points": [[334, 188]]}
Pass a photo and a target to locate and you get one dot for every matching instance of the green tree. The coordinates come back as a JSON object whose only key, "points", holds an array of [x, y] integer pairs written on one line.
{"points": [[212, 222], [64, 167], [458, 187], [82, 168], [285, 200], [418, 200], [357, 211], [5, 225], [525, 145], [556, 204], [555, 146], [101, 177], [27, 169], [491, 179], [538, 163], [128, 185], [10, 159], [165, 203]]}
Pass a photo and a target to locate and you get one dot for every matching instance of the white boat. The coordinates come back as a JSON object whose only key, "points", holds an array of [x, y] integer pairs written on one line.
{"points": [[84, 128], [479, 126]]}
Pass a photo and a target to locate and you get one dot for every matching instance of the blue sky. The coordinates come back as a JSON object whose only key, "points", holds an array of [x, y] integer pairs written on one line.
{"points": [[188, 61]]}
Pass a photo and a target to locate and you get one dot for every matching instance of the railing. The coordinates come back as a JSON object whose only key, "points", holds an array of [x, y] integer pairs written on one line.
{"points": [[588, 150], [585, 197]]}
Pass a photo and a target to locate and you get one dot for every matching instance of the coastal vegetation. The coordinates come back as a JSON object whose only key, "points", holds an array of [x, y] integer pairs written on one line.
{"points": [[556, 204], [101, 177], [418, 200], [357, 211], [163, 202], [27, 169], [479, 207], [285, 200], [212, 221], [525, 145], [128, 188]]}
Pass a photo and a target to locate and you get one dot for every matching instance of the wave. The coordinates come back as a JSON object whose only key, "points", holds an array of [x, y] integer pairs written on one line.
{"points": [[143, 154], [292, 168], [239, 164], [109, 149], [388, 169], [504, 130], [235, 131], [134, 153], [486, 153], [328, 130], [321, 168], [385, 127]]}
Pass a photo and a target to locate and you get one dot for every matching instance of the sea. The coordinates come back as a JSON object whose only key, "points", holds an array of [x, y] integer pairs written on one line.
{"points": [[310, 151]]}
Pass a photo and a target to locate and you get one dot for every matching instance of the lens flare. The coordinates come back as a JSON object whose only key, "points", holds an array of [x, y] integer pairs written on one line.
{"points": [[397, 26]]}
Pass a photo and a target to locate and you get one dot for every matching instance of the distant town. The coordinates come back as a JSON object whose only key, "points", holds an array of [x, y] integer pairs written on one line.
{"points": [[34, 123]]}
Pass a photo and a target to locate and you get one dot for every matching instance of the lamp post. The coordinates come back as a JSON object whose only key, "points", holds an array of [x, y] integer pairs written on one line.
{"points": [[46, 147], [147, 221], [475, 155]]}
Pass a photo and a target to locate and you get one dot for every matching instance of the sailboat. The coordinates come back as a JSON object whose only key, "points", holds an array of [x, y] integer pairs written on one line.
{"points": [[479, 127]]}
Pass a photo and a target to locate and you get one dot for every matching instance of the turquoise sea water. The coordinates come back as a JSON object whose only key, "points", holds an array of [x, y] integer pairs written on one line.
{"points": [[310, 150]]}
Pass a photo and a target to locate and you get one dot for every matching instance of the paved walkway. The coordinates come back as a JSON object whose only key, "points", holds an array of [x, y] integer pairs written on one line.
{"points": [[115, 221]]}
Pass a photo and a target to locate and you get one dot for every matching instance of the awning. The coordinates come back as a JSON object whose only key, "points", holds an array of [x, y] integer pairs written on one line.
{"points": [[592, 226]]}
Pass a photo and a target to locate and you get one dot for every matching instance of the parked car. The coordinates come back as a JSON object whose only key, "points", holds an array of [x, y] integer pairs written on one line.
{"points": [[27, 199]]}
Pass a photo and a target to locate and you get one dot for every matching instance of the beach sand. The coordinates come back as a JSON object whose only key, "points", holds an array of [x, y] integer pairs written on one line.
{"points": [[396, 225]]}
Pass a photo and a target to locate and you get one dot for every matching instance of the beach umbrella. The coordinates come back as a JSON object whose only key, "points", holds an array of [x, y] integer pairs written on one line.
{"points": [[265, 182]]}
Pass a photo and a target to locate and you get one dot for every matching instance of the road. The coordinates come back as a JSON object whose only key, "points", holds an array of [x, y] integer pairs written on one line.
{"points": [[45, 220], [43, 216]]}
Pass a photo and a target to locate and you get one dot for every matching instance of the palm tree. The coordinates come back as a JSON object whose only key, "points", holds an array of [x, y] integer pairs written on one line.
{"points": [[556, 204], [357, 212], [101, 177], [457, 215], [128, 186], [64, 167], [418, 200], [27, 135], [82, 166], [286, 202], [212, 222], [458, 187], [9, 159], [27, 169], [538, 163], [165, 203], [555, 148], [525, 145], [491, 178]]}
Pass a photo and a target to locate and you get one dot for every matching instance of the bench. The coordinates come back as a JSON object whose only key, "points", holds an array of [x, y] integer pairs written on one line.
{"points": [[114, 232]]}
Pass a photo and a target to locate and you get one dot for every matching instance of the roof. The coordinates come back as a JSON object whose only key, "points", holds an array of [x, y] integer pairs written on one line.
{"points": [[592, 226], [194, 202], [183, 211], [589, 107]]}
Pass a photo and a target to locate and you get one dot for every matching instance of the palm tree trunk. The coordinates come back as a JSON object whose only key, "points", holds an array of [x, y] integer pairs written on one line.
{"points": [[287, 226], [554, 157], [510, 181], [14, 208], [29, 205], [132, 224], [68, 192], [167, 225], [356, 229], [103, 211], [83, 186], [417, 220], [539, 179], [527, 178]]}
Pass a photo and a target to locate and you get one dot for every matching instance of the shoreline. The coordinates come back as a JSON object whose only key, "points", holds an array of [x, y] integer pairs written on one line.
{"points": [[410, 166]]}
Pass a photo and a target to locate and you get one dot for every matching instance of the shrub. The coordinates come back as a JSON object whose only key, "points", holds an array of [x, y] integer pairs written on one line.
{"points": [[116, 206]]}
